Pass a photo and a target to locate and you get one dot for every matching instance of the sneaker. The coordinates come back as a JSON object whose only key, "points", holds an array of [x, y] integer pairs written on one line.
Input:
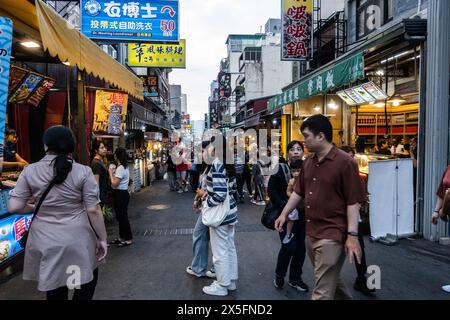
{"points": [[288, 238], [278, 282], [211, 274], [215, 289], [180, 190], [253, 201], [299, 285], [446, 288], [192, 272], [186, 189], [361, 286], [232, 286], [261, 203]]}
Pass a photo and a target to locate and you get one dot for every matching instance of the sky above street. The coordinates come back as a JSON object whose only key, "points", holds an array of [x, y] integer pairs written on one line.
{"points": [[206, 25]]}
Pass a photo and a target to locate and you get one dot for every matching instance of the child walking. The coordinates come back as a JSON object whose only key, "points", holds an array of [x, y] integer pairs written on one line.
{"points": [[295, 172]]}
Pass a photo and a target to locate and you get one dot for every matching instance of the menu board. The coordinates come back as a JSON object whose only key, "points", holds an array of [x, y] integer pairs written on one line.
{"points": [[15, 77], [110, 112], [354, 96], [40, 92], [367, 97], [26, 88], [346, 98], [365, 93], [374, 91]]}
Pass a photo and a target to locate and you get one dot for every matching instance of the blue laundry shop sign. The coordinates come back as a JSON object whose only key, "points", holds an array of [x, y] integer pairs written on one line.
{"points": [[139, 20]]}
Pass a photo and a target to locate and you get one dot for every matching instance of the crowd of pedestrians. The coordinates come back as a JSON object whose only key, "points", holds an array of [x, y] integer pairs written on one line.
{"points": [[318, 197]]}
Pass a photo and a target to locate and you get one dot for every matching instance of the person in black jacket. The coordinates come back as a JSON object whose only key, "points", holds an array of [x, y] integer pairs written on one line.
{"points": [[293, 253]]}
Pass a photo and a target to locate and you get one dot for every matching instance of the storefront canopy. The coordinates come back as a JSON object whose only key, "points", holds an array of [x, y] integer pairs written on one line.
{"points": [[68, 44], [252, 121], [323, 80]]}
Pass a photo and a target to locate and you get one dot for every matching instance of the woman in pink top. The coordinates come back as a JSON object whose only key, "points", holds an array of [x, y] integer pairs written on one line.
{"points": [[67, 238]]}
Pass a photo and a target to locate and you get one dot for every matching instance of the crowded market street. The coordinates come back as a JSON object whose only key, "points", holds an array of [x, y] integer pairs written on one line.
{"points": [[153, 268]]}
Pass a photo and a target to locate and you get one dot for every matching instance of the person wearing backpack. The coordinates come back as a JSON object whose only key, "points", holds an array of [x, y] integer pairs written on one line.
{"points": [[291, 254]]}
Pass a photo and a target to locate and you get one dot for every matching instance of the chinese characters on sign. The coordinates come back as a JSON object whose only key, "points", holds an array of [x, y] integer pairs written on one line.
{"points": [[143, 20], [345, 72], [297, 29], [157, 55], [224, 80], [110, 112], [150, 86], [40, 92], [12, 229]]}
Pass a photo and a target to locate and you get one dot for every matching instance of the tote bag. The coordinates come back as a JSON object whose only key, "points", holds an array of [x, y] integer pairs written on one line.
{"points": [[214, 216]]}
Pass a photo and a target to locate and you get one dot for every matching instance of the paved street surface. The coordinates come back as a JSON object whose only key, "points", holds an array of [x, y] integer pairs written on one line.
{"points": [[154, 266]]}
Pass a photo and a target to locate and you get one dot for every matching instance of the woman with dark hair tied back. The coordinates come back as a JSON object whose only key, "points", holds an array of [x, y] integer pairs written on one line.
{"points": [[67, 235], [120, 179]]}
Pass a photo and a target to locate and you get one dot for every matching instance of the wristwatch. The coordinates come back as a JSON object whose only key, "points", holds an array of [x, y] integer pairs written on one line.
{"points": [[353, 234]]}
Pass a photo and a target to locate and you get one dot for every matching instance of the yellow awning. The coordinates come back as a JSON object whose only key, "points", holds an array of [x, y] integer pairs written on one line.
{"points": [[68, 44]]}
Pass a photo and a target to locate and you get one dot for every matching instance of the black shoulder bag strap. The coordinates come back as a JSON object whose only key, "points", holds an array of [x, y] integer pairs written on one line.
{"points": [[24, 238]]}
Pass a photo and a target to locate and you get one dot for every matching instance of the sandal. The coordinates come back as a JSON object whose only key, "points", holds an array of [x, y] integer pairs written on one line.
{"points": [[115, 241], [124, 244]]}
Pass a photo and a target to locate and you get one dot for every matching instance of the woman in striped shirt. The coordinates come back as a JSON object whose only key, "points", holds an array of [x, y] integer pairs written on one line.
{"points": [[220, 179]]}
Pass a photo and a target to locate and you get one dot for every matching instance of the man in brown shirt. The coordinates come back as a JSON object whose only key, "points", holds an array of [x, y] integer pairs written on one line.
{"points": [[330, 184]]}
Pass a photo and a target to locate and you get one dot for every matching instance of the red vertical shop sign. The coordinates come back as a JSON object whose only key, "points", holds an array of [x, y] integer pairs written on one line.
{"points": [[297, 37]]}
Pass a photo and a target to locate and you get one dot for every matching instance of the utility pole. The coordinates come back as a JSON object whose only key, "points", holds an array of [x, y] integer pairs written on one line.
{"points": [[81, 120], [436, 124]]}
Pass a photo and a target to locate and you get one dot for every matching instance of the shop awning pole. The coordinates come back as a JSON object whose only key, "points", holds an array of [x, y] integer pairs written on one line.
{"points": [[69, 105], [81, 120]]}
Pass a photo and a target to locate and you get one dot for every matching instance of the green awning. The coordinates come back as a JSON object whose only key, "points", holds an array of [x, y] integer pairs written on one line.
{"points": [[322, 81]]}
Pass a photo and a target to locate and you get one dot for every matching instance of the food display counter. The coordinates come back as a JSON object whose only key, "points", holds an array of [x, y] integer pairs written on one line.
{"points": [[363, 161]]}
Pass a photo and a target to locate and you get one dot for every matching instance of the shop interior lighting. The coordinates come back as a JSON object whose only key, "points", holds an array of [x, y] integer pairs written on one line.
{"points": [[67, 63], [30, 44], [333, 105], [380, 72], [379, 105], [317, 108], [396, 100], [274, 121], [397, 56]]}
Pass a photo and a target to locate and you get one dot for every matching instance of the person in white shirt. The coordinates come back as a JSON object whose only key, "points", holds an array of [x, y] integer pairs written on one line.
{"points": [[120, 179], [398, 147]]}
